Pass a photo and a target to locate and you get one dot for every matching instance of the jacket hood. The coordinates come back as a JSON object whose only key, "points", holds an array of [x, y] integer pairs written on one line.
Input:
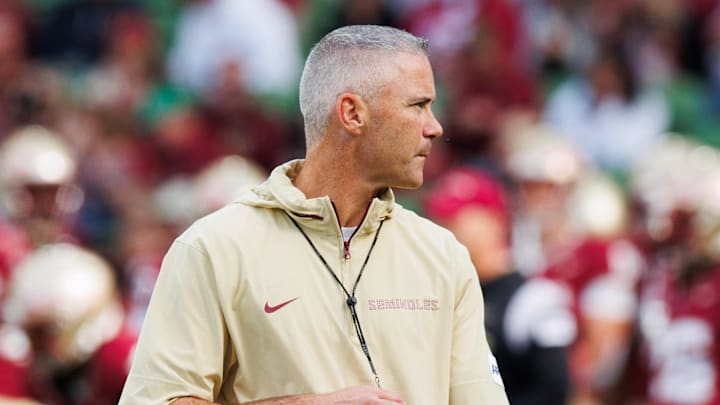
{"points": [[278, 192]]}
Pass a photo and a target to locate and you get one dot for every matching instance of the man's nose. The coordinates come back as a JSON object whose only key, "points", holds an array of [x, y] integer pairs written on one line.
{"points": [[433, 129]]}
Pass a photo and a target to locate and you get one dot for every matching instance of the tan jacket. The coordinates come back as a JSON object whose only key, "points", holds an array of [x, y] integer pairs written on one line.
{"points": [[244, 309]]}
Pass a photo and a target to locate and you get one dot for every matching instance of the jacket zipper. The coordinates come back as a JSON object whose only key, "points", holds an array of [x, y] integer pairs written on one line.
{"points": [[346, 243], [345, 263]]}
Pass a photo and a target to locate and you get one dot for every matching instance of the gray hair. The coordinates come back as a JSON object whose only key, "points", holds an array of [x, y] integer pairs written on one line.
{"points": [[348, 59]]}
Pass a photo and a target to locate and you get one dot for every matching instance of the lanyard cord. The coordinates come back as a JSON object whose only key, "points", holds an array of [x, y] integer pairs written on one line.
{"points": [[351, 300]]}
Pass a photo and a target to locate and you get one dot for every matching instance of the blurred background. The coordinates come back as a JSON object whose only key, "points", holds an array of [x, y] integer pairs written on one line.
{"points": [[579, 157]]}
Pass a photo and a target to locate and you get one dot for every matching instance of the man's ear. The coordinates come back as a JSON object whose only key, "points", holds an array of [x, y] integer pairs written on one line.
{"points": [[352, 112]]}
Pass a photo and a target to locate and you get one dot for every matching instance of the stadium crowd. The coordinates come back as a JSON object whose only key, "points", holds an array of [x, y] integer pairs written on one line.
{"points": [[579, 165]]}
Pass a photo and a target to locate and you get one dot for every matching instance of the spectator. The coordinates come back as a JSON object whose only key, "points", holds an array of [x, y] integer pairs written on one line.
{"points": [[75, 34], [607, 114], [29, 91], [259, 38], [128, 70]]}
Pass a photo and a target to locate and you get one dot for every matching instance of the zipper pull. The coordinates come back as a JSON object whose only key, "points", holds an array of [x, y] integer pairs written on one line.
{"points": [[346, 249]]}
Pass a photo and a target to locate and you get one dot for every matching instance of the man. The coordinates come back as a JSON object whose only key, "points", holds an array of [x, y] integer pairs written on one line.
{"points": [[317, 288], [529, 322]]}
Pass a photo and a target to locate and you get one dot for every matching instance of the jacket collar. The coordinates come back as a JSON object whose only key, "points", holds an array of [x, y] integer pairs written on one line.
{"points": [[278, 192]]}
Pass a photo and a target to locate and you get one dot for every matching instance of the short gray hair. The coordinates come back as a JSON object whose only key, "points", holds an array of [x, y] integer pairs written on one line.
{"points": [[348, 59]]}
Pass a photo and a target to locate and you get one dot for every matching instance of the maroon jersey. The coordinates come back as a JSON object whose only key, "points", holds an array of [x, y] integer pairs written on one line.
{"points": [[680, 325], [14, 347], [14, 362], [98, 380], [109, 367], [601, 276]]}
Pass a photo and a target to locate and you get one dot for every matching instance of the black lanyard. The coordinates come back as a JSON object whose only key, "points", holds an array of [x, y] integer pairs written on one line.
{"points": [[351, 300]]}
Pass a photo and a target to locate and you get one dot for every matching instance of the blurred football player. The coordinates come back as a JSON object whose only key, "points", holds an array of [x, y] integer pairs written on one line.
{"points": [[571, 231], [678, 188], [543, 168], [38, 198], [70, 339], [528, 322], [37, 170]]}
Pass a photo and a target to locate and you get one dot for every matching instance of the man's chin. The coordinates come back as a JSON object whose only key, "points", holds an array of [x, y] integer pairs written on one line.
{"points": [[410, 184]]}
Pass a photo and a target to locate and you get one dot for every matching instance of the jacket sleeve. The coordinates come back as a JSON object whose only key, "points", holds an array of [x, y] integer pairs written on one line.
{"points": [[474, 375], [183, 340]]}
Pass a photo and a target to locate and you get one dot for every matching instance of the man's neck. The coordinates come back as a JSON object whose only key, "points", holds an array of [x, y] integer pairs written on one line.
{"points": [[336, 178]]}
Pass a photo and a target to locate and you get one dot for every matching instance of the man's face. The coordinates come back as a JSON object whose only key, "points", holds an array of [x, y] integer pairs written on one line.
{"points": [[401, 124]]}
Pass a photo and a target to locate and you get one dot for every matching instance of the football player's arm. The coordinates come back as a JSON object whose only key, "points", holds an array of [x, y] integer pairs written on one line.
{"points": [[601, 356], [607, 305], [17, 401]]}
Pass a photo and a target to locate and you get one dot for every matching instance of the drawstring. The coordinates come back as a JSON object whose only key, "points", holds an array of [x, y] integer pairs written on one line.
{"points": [[351, 301]]}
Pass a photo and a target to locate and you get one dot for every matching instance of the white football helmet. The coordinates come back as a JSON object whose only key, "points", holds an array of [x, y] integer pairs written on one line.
{"points": [[680, 175], [69, 292], [537, 152], [181, 200], [597, 206], [34, 157]]}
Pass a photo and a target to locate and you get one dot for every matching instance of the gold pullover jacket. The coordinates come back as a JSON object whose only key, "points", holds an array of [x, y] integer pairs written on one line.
{"points": [[244, 309]]}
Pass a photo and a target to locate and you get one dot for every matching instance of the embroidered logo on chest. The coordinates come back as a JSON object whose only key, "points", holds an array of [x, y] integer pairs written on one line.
{"points": [[403, 304]]}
